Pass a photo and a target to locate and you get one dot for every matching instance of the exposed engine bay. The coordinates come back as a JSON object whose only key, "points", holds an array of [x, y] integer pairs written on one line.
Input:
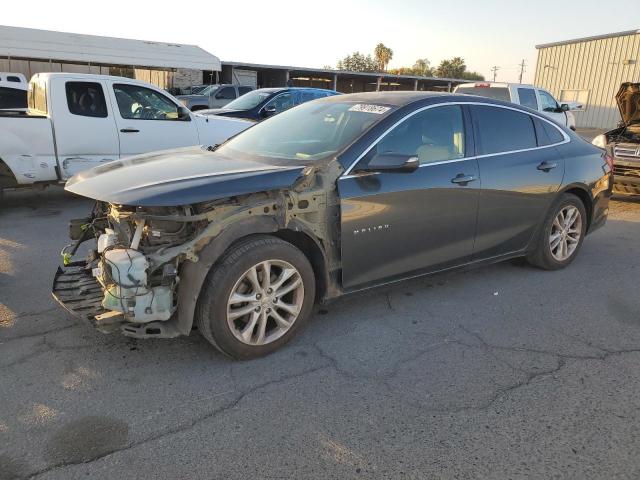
{"points": [[137, 254]]}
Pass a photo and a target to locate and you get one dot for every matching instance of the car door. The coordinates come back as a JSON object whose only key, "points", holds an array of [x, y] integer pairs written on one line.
{"points": [[521, 172], [549, 106], [399, 224], [527, 97], [222, 96], [147, 120], [85, 131]]}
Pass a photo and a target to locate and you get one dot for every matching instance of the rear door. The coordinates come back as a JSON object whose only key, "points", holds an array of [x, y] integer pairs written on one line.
{"points": [[397, 224], [147, 120], [84, 127], [521, 171]]}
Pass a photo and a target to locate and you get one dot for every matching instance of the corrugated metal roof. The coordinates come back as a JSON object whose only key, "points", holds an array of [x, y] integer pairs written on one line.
{"points": [[339, 72], [588, 39], [73, 47]]}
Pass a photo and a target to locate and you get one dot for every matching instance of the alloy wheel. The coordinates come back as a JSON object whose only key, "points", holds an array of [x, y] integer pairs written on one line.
{"points": [[265, 302], [565, 233]]}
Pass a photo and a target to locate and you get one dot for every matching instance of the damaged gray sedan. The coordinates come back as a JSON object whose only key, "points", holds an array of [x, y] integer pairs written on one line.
{"points": [[331, 197]]}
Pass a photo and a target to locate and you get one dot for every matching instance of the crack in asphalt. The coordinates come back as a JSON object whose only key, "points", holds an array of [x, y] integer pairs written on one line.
{"points": [[179, 428]]}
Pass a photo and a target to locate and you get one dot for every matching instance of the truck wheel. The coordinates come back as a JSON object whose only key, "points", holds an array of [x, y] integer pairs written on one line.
{"points": [[562, 234], [256, 297]]}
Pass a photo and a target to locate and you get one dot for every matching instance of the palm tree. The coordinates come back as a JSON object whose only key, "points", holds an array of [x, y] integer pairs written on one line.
{"points": [[383, 55]]}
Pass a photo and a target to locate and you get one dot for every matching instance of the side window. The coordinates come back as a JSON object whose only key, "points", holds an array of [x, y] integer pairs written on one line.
{"points": [[547, 102], [140, 103], [13, 98], [547, 134], [86, 99], [433, 135], [528, 97], [243, 90], [13, 78], [307, 96], [502, 130], [226, 93], [282, 102]]}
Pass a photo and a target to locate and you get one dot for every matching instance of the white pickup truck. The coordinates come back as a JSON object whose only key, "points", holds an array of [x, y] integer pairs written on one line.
{"points": [[76, 121], [527, 95]]}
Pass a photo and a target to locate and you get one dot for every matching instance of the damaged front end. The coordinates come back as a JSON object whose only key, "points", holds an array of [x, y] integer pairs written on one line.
{"points": [[143, 272], [120, 285]]}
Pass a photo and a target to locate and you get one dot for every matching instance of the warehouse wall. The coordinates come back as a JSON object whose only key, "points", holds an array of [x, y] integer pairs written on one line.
{"points": [[591, 72]]}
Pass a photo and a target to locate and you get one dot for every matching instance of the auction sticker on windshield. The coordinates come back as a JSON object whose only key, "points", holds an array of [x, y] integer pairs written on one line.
{"points": [[369, 108]]}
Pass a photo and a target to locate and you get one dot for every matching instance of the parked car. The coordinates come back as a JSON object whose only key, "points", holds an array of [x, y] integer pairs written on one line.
{"points": [[528, 95], [266, 102], [213, 96], [13, 91], [330, 197], [76, 121], [623, 142]]}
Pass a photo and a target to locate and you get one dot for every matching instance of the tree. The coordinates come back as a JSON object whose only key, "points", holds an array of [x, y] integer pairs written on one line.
{"points": [[422, 68], [383, 56], [472, 76], [453, 68], [358, 62]]}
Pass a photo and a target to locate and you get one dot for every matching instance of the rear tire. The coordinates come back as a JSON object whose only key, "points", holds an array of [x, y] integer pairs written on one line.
{"points": [[246, 313], [561, 235]]}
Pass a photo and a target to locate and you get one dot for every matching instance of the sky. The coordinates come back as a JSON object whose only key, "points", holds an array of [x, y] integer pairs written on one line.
{"points": [[485, 33]]}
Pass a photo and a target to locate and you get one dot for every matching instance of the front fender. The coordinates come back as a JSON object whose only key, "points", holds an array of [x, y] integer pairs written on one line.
{"points": [[193, 274]]}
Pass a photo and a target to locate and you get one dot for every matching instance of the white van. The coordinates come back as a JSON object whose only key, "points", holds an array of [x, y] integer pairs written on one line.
{"points": [[526, 95]]}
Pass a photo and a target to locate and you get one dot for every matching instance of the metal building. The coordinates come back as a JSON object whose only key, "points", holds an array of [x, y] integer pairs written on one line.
{"points": [[30, 51], [590, 70]]}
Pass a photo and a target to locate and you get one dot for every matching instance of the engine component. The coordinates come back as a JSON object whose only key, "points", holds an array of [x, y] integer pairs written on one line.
{"points": [[124, 275], [106, 240]]}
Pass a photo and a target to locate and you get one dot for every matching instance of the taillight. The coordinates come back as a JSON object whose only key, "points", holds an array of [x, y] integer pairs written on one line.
{"points": [[609, 159], [482, 85]]}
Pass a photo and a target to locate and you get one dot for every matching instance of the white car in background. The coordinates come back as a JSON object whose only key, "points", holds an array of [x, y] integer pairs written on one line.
{"points": [[526, 95], [77, 121], [13, 91]]}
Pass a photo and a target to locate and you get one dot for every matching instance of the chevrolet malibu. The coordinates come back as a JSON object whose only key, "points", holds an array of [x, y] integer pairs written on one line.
{"points": [[331, 197]]}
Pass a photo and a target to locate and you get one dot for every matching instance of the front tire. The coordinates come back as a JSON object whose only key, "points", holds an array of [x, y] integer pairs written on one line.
{"points": [[256, 297], [562, 234]]}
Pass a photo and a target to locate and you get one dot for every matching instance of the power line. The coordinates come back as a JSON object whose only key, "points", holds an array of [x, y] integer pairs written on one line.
{"points": [[495, 69], [521, 65]]}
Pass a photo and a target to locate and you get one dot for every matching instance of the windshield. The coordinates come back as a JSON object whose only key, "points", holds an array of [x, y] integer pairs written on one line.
{"points": [[497, 93], [248, 100], [208, 90], [311, 131]]}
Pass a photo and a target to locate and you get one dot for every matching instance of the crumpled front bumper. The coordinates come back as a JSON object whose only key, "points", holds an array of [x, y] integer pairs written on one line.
{"points": [[78, 292]]}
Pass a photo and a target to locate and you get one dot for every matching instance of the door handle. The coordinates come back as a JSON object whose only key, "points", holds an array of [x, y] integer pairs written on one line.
{"points": [[547, 166], [129, 130], [463, 180]]}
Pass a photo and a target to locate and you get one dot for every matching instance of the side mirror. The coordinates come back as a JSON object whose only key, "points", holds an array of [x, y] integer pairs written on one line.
{"points": [[184, 113], [564, 107], [269, 110], [392, 162]]}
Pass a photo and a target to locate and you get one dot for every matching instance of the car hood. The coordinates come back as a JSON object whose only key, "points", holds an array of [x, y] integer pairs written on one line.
{"points": [[628, 99], [181, 177]]}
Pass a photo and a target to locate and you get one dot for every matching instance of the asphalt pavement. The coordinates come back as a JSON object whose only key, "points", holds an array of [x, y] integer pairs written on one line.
{"points": [[500, 372]]}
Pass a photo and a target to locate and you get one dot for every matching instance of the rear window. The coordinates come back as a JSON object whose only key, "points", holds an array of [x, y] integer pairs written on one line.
{"points": [[12, 98], [498, 93], [502, 130], [86, 99], [547, 134], [243, 90], [528, 98]]}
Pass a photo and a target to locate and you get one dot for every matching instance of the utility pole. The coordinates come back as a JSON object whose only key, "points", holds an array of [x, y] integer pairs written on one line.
{"points": [[521, 65], [495, 69]]}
